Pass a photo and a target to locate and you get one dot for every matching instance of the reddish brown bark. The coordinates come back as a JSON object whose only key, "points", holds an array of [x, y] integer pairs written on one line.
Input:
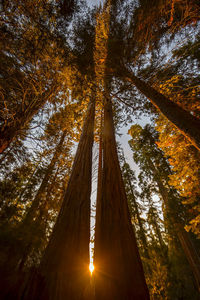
{"points": [[183, 120], [118, 269], [65, 265], [100, 162]]}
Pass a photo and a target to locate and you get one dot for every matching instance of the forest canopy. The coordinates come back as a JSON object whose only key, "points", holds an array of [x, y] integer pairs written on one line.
{"points": [[99, 149]]}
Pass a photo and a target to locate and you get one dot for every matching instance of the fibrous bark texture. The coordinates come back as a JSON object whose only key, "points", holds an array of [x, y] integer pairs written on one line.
{"points": [[118, 269], [64, 271], [183, 120]]}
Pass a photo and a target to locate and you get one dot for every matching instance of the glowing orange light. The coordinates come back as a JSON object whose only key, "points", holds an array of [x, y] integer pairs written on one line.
{"points": [[91, 268]]}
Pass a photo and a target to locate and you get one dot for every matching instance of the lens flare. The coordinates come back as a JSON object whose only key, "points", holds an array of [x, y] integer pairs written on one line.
{"points": [[91, 268]]}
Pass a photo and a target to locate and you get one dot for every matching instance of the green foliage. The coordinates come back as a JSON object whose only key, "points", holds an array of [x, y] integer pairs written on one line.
{"points": [[53, 59], [153, 180]]}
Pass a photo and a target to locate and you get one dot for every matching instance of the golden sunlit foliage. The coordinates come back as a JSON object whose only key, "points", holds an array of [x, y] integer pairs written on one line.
{"points": [[168, 16], [183, 157], [71, 76], [184, 160]]}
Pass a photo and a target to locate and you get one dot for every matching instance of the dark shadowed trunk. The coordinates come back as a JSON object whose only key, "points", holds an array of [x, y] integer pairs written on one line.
{"points": [[183, 120], [33, 216], [64, 269], [118, 269], [183, 236], [190, 252], [158, 233], [141, 227], [15, 257], [33, 210], [136, 209]]}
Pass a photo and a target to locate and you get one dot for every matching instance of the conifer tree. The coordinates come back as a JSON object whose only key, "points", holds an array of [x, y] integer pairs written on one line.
{"points": [[118, 268], [134, 207], [30, 67], [55, 57], [119, 271], [186, 123], [152, 160], [67, 275]]}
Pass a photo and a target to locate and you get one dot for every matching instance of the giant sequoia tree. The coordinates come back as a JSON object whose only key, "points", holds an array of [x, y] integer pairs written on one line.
{"points": [[116, 257], [66, 276], [119, 273], [57, 57], [152, 161]]}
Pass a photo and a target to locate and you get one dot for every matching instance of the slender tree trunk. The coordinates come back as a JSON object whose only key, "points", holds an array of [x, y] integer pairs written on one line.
{"points": [[183, 236], [142, 232], [65, 266], [153, 221], [100, 170], [143, 236], [32, 212], [159, 235], [190, 252], [183, 120], [118, 268], [17, 256]]}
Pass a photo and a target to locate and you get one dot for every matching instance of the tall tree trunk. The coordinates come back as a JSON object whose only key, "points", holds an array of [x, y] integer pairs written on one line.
{"points": [[118, 268], [17, 256], [65, 266], [32, 212], [158, 234], [190, 252], [100, 170], [14, 258], [183, 236], [141, 227], [183, 120], [142, 234]]}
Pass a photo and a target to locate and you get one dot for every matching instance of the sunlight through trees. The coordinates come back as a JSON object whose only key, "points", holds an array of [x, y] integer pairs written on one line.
{"points": [[79, 219]]}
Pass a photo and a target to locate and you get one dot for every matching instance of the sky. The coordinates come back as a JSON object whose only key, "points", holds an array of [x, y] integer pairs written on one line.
{"points": [[94, 2]]}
